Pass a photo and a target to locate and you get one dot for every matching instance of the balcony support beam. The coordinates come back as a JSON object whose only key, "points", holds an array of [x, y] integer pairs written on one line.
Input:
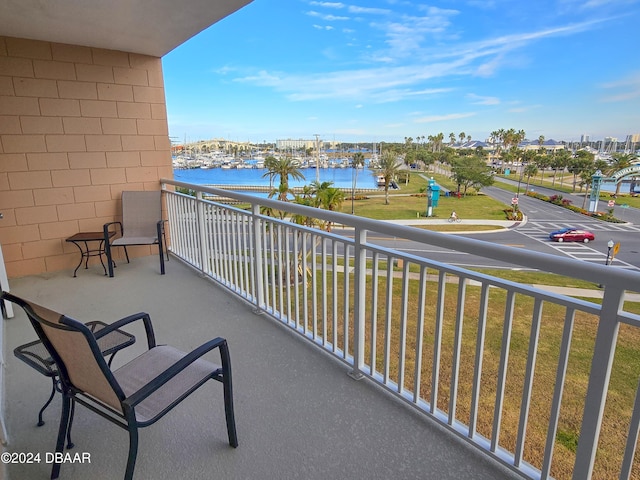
{"points": [[604, 350], [359, 310]]}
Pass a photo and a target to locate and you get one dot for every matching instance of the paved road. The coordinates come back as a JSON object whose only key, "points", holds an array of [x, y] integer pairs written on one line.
{"points": [[630, 214], [542, 218]]}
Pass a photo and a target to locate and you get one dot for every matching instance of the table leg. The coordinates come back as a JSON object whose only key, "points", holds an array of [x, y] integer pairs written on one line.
{"points": [[44, 407], [81, 257], [86, 255], [100, 252]]}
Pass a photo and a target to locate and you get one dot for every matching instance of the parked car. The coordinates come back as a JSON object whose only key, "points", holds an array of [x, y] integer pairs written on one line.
{"points": [[570, 234]]}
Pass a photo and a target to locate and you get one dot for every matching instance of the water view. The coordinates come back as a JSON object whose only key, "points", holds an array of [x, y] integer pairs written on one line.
{"points": [[341, 177]]}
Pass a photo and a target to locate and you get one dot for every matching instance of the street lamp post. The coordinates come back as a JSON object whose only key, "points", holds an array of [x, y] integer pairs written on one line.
{"points": [[609, 247], [522, 164]]}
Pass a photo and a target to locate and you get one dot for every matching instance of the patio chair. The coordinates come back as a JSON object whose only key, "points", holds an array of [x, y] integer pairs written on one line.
{"points": [[141, 224], [135, 395]]}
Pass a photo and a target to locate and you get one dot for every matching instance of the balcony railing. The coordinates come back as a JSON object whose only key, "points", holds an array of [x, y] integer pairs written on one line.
{"points": [[544, 383]]}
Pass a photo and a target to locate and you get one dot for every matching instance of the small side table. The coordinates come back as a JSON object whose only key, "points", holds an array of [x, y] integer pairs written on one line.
{"points": [[37, 357], [82, 239]]}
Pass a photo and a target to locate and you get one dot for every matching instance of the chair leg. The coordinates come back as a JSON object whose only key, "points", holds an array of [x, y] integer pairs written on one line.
{"points": [[70, 444], [161, 248], [62, 432], [107, 250], [161, 254], [44, 407], [133, 452], [228, 395]]}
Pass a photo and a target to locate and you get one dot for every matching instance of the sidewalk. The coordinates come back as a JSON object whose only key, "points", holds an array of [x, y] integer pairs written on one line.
{"points": [[584, 292], [445, 221]]}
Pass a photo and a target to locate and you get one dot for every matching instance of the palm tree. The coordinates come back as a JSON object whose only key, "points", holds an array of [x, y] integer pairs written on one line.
{"points": [[462, 136], [542, 161], [357, 161], [452, 138], [407, 142], [581, 165], [331, 198], [316, 188], [560, 162], [620, 161], [269, 164], [283, 168], [388, 169], [530, 170]]}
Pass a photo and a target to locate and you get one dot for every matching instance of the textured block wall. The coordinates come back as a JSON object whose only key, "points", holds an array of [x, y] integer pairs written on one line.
{"points": [[78, 126]]}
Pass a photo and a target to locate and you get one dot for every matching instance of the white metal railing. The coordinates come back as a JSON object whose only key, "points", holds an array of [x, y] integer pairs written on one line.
{"points": [[520, 373]]}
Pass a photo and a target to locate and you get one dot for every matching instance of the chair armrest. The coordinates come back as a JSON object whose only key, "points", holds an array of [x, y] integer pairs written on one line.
{"points": [[148, 327], [178, 367], [105, 229]]}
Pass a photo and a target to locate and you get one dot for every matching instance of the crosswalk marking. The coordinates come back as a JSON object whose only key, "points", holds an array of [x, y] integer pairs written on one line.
{"points": [[539, 231], [594, 225]]}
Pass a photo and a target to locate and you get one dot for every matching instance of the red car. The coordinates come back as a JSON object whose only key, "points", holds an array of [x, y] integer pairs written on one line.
{"points": [[572, 235]]}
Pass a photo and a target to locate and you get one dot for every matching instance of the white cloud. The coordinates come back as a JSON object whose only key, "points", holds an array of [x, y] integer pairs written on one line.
{"points": [[413, 74], [482, 100], [336, 5], [442, 118], [326, 17], [482, 4], [625, 89], [225, 70], [523, 109], [369, 10], [380, 85]]}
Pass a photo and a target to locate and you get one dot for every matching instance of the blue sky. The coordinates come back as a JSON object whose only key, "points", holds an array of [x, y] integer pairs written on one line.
{"points": [[383, 70]]}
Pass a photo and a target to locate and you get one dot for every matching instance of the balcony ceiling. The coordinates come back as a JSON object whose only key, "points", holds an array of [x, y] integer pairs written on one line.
{"points": [[150, 27]]}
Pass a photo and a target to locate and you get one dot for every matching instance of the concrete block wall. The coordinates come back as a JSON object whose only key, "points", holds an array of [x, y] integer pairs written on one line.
{"points": [[78, 125]]}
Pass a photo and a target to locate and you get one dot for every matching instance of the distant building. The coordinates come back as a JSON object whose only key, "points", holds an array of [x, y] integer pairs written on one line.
{"points": [[549, 146], [631, 143], [298, 144], [585, 138]]}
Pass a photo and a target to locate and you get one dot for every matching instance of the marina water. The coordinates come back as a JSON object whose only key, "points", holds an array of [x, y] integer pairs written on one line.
{"points": [[340, 177]]}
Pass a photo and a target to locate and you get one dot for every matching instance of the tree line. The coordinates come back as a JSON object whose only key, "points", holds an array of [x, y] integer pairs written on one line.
{"points": [[469, 167]]}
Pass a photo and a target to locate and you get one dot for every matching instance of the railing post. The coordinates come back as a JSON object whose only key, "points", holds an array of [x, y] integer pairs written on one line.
{"points": [[603, 353], [201, 232], [258, 255], [359, 310]]}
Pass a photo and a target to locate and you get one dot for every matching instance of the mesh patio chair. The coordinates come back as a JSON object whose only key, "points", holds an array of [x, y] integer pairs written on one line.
{"points": [[135, 395], [141, 224]]}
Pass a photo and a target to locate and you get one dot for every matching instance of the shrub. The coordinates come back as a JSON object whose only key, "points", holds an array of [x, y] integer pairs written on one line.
{"points": [[513, 215], [566, 203]]}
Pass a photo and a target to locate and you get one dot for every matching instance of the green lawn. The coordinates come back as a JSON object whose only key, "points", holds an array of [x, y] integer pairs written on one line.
{"points": [[410, 202], [566, 187]]}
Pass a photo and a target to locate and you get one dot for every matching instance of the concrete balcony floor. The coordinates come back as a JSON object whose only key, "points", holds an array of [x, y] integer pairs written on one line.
{"points": [[299, 415]]}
